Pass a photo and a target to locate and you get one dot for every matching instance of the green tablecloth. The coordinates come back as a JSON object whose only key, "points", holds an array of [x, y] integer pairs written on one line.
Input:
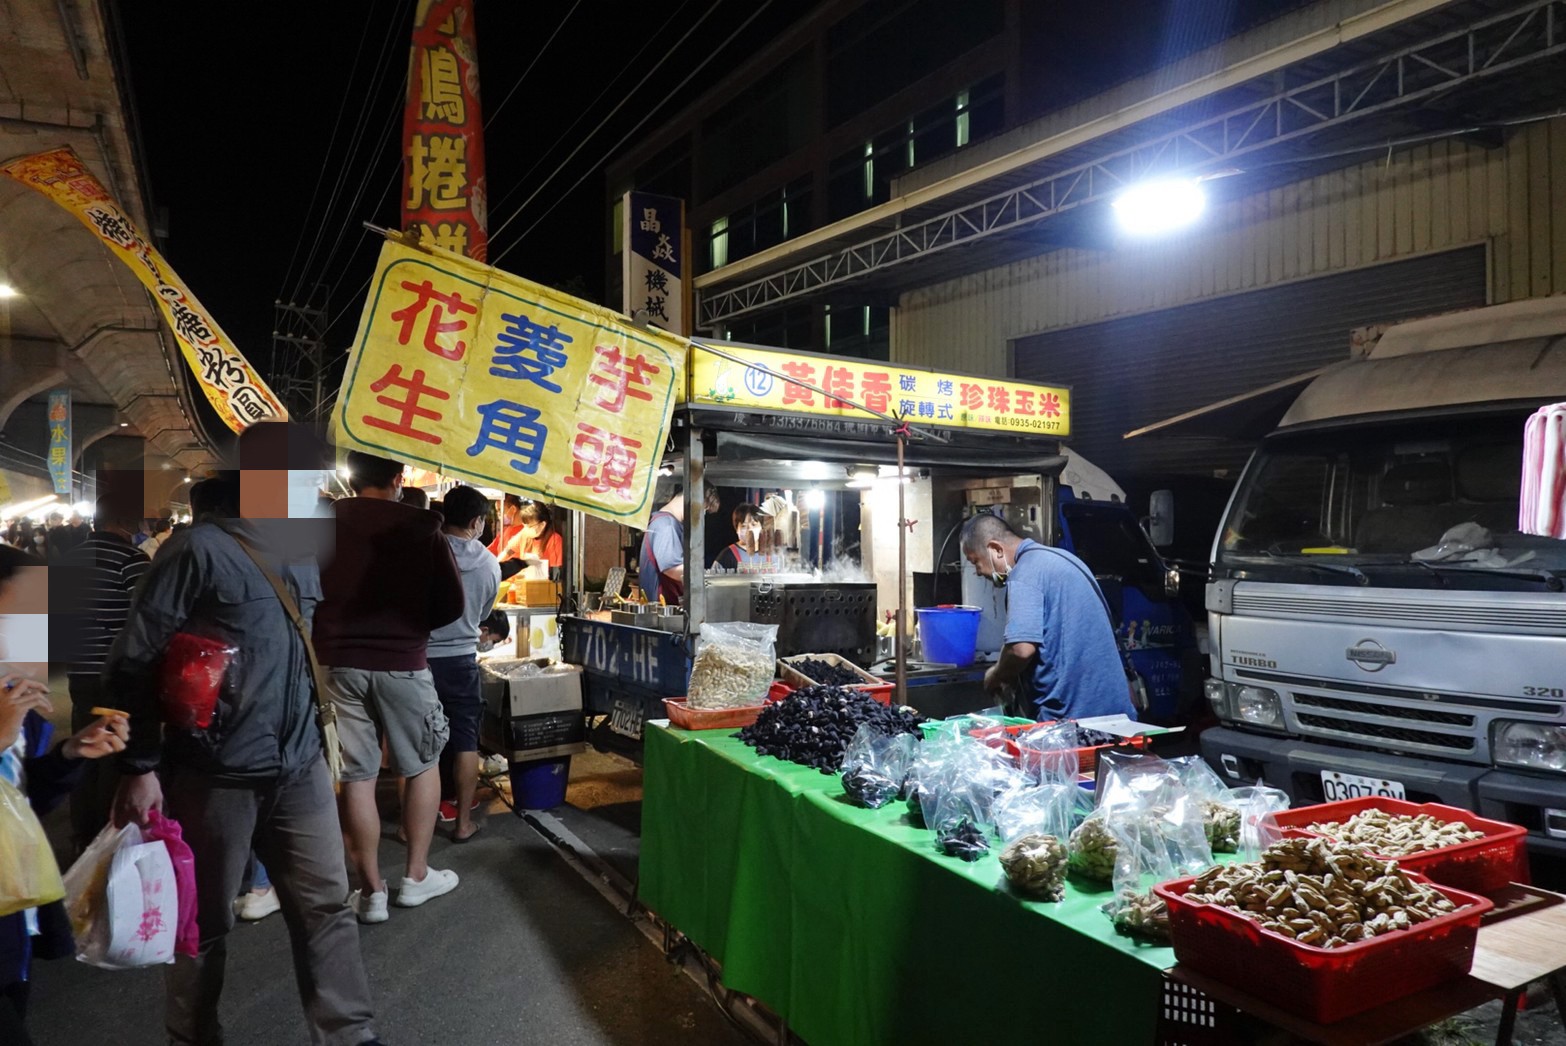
{"points": [[855, 929]]}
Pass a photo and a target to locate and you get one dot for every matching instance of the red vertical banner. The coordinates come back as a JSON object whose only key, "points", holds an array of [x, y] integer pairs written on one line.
{"points": [[443, 192]]}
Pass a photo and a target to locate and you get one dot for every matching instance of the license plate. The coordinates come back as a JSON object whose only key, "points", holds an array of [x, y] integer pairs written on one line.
{"points": [[625, 719], [1336, 787]]}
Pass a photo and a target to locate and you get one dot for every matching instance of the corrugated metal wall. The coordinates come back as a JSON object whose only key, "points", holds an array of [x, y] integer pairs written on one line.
{"points": [[1430, 198], [1131, 372]]}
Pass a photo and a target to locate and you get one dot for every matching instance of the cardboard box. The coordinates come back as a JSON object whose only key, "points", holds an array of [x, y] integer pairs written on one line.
{"points": [[536, 717], [519, 592]]}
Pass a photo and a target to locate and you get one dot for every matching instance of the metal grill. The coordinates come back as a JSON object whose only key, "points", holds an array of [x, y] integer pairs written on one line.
{"points": [[1383, 732], [1423, 715], [819, 618]]}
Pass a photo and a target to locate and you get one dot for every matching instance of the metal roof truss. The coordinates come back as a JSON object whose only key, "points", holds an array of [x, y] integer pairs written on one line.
{"points": [[1483, 49]]}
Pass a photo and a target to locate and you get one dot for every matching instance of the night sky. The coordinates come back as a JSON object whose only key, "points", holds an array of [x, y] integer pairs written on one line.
{"points": [[240, 120]]}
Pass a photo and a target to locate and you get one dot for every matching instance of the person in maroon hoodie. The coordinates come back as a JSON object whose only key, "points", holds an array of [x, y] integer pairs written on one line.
{"points": [[391, 582]]}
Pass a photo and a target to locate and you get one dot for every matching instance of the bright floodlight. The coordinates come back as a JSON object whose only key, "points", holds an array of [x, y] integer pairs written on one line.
{"points": [[8, 291], [1161, 206], [815, 499]]}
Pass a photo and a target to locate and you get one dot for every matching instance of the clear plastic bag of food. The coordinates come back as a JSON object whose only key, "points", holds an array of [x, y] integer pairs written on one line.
{"points": [[875, 766], [1045, 809], [1153, 844], [960, 821], [1219, 808], [1047, 752], [1035, 866], [1258, 808], [735, 662], [1134, 779]]}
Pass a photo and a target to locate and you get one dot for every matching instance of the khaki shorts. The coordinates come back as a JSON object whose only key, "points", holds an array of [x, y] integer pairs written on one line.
{"points": [[402, 707]]}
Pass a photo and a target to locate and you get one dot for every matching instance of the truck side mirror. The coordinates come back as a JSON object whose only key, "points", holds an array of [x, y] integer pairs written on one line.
{"points": [[1160, 520]]}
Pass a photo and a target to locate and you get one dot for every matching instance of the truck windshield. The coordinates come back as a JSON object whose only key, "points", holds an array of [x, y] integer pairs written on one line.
{"points": [[1432, 504]]}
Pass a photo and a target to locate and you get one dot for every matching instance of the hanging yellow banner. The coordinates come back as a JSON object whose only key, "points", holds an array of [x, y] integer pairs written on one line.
{"points": [[231, 384], [492, 379]]}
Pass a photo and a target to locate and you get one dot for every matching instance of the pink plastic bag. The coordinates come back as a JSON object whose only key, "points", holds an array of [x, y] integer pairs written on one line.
{"points": [[187, 936]]}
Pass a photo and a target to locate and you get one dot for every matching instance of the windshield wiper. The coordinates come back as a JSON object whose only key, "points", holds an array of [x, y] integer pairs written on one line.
{"points": [[1326, 568], [1549, 580]]}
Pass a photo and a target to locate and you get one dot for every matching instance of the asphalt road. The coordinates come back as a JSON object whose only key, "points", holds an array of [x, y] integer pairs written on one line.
{"points": [[523, 950]]}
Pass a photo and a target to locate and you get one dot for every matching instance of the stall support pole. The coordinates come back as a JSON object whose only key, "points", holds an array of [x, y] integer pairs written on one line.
{"points": [[901, 643], [695, 533]]}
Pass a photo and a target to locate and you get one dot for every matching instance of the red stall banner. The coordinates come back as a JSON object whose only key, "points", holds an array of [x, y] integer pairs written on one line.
{"points": [[443, 191]]}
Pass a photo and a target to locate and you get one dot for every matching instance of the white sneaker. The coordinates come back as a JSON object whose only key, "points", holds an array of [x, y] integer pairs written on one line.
{"points": [[256, 905], [370, 908], [436, 881]]}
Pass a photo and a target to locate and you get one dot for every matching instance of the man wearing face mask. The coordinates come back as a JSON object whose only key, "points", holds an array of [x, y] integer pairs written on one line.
{"points": [[1060, 651]]}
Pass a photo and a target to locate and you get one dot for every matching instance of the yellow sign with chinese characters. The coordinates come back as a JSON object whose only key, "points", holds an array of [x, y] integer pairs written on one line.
{"points": [[492, 379], [233, 387], [920, 396]]}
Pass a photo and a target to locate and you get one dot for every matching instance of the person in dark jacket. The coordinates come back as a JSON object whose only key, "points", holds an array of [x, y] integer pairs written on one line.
{"points": [[47, 776], [390, 584], [256, 774]]}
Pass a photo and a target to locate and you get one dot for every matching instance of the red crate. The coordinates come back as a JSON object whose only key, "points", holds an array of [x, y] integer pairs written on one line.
{"points": [[1002, 737], [1322, 984], [1479, 865], [882, 692], [685, 717]]}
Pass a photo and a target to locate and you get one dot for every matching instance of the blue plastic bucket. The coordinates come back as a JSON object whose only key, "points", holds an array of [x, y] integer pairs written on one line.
{"points": [[540, 784], [948, 635]]}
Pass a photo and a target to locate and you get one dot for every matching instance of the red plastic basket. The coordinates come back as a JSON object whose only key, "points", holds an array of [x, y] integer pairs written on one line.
{"points": [[882, 692], [1003, 737], [880, 689], [685, 717], [1322, 984], [1480, 865]]}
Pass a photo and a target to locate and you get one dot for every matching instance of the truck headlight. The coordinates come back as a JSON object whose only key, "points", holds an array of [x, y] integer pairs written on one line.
{"points": [[1260, 706], [1537, 746]]}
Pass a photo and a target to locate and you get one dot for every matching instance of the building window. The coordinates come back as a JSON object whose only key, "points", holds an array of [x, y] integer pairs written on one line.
{"points": [[720, 243], [863, 331], [862, 177], [778, 216]]}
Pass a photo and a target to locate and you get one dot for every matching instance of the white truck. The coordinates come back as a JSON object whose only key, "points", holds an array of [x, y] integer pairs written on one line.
{"points": [[1377, 623]]}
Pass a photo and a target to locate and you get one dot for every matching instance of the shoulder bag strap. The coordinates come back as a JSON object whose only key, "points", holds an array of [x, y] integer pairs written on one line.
{"points": [[325, 711]]}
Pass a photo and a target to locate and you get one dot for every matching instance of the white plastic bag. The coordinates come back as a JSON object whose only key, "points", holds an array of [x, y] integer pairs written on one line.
{"points": [[123, 901]]}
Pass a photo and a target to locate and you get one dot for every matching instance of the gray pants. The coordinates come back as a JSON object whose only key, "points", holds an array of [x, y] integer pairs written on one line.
{"points": [[293, 822]]}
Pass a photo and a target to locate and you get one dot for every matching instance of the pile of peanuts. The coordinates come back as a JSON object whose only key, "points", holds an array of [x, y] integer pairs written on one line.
{"points": [[1321, 893], [1396, 835]]}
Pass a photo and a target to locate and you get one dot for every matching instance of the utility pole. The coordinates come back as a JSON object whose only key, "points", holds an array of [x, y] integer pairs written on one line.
{"points": [[299, 354]]}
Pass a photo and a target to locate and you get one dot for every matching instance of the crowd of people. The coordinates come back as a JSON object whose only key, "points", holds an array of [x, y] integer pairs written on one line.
{"points": [[53, 538], [351, 643]]}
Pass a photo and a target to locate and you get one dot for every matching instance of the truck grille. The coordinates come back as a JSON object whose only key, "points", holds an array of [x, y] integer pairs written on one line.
{"points": [[1385, 733], [1397, 607], [1423, 715]]}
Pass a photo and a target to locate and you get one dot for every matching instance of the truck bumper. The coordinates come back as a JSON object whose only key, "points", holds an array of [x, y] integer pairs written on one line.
{"points": [[1295, 766]]}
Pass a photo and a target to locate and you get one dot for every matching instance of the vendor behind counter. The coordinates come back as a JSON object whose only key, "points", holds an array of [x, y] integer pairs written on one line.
{"points": [[661, 562]]}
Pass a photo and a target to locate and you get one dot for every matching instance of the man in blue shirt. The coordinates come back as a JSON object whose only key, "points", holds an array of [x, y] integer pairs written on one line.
{"points": [[661, 564], [1060, 648]]}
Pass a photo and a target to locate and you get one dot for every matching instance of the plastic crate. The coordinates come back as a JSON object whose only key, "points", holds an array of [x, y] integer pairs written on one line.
{"points": [[1322, 984], [1479, 865], [1003, 737], [880, 689], [685, 717]]}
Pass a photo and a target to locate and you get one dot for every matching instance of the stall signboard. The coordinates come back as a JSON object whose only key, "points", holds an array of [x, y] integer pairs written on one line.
{"points": [[920, 396], [231, 384], [653, 267], [443, 193], [60, 440], [491, 379]]}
